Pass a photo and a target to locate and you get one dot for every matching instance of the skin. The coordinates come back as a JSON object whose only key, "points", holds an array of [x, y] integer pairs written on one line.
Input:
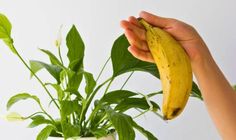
{"points": [[219, 97]]}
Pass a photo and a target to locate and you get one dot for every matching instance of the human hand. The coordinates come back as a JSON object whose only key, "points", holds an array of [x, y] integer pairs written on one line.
{"points": [[185, 34]]}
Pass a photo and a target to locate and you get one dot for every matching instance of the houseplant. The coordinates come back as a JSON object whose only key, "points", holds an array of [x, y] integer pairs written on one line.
{"points": [[108, 114]]}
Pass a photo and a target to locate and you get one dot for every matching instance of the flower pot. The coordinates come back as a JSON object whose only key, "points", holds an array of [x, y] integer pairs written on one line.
{"points": [[109, 137]]}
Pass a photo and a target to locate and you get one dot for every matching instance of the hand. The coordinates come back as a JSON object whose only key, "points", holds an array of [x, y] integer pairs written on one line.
{"points": [[218, 95], [185, 34]]}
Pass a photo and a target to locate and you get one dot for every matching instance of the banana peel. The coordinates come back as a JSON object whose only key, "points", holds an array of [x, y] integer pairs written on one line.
{"points": [[174, 67]]}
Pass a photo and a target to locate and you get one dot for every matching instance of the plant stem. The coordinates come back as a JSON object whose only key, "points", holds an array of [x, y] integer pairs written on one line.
{"points": [[140, 114], [50, 117], [101, 120], [89, 100], [127, 80], [73, 116], [159, 115], [103, 68], [97, 107], [59, 53], [108, 125], [108, 86], [33, 114], [40, 81]]}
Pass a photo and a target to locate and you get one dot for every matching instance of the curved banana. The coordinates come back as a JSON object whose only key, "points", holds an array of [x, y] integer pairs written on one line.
{"points": [[174, 68]]}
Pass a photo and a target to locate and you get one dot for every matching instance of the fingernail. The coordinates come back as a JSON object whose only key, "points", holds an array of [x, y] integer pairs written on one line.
{"points": [[142, 12], [129, 49]]}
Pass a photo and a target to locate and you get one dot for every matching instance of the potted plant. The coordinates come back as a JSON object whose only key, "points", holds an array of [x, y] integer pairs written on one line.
{"points": [[108, 115]]}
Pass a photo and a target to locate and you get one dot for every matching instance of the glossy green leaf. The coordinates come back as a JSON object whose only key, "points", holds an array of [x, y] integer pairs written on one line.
{"points": [[74, 80], [140, 103], [54, 60], [5, 27], [71, 130], [54, 70], [68, 107], [90, 82], [75, 49], [14, 116], [146, 133], [99, 132], [123, 61], [21, 96], [115, 97], [122, 124], [45, 132], [196, 91], [60, 92], [58, 131], [5, 32], [38, 120]]}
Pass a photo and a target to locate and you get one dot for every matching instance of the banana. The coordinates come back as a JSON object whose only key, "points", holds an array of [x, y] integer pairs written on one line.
{"points": [[174, 68]]}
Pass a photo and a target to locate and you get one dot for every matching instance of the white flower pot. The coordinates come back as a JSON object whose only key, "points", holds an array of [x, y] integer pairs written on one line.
{"points": [[109, 137]]}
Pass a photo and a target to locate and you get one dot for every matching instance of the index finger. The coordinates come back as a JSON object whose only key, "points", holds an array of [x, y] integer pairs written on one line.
{"points": [[155, 20]]}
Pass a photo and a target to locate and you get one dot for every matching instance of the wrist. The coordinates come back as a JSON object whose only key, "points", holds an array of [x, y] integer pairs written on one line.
{"points": [[202, 58]]}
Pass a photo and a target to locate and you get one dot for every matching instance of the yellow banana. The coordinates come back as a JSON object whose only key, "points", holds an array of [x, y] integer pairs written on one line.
{"points": [[174, 68]]}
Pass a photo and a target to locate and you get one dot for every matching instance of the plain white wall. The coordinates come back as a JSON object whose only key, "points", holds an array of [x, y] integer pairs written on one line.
{"points": [[36, 23]]}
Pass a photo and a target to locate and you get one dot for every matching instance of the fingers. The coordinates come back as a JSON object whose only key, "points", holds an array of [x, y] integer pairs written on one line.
{"points": [[135, 41], [134, 20], [140, 54], [133, 25], [156, 20], [135, 35]]}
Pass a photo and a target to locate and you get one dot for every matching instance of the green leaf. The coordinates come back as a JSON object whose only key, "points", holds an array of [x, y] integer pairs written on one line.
{"points": [[68, 107], [123, 61], [115, 97], [14, 116], [58, 129], [99, 132], [21, 96], [122, 124], [5, 27], [38, 120], [196, 91], [74, 80], [75, 49], [140, 103], [90, 82], [95, 121], [54, 70], [71, 130], [146, 133], [60, 93], [52, 57], [43, 135], [5, 32]]}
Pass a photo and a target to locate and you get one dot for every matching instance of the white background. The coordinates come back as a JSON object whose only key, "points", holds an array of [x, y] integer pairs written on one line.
{"points": [[36, 23]]}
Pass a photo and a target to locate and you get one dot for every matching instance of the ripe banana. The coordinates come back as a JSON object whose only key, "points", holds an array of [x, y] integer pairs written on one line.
{"points": [[174, 68]]}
